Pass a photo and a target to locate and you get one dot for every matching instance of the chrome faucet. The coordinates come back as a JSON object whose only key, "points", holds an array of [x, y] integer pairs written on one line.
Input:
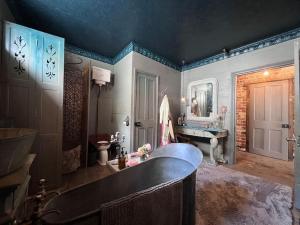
{"points": [[40, 201]]}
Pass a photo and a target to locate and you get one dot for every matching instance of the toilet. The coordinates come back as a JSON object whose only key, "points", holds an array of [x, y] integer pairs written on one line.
{"points": [[103, 154]]}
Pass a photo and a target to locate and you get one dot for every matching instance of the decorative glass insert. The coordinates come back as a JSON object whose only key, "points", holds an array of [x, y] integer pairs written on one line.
{"points": [[50, 62], [19, 55], [51, 57]]}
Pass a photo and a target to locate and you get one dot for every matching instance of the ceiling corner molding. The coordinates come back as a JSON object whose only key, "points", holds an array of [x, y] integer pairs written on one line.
{"points": [[125, 51], [267, 42], [88, 54], [133, 46], [149, 54]]}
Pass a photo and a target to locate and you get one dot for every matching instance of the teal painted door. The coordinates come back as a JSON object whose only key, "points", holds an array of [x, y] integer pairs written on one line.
{"points": [[34, 65], [297, 123]]}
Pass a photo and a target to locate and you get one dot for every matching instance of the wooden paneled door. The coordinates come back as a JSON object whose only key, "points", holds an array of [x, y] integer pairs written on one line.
{"points": [[20, 75], [34, 65], [268, 119], [145, 131], [49, 105]]}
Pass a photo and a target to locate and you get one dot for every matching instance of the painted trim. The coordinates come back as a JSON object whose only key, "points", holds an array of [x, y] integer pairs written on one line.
{"points": [[151, 55], [133, 46], [125, 51], [88, 54]]}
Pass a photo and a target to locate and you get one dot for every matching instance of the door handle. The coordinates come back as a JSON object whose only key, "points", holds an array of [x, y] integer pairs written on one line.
{"points": [[138, 124], [285, 125]]}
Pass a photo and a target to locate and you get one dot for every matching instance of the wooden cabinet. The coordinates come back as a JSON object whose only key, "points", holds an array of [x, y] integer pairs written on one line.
{"points": [[33, 97]]}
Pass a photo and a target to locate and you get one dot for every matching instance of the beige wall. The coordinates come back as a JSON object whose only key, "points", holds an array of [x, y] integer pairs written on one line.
{"points": [[121, 101], [167, 78], [106, 93], [225, 72], [115, 103], [123, 93]]}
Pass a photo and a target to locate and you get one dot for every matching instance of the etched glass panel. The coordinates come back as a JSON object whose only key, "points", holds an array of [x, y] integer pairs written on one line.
{"points": [[50, 61], [19, 54]]}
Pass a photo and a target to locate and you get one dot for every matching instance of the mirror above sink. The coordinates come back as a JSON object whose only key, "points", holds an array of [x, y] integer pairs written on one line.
{"points": [[202, 100]]}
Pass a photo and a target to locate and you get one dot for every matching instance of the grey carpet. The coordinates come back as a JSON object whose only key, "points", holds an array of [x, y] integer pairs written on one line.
{"points": [[228, 197]]}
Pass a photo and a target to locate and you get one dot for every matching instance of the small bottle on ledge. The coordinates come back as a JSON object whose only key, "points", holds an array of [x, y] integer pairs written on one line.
{"points": [[122, 160]]}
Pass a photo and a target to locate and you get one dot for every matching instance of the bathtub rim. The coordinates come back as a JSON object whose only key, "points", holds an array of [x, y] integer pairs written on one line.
{"points": [[98, 209], [31, 132]]}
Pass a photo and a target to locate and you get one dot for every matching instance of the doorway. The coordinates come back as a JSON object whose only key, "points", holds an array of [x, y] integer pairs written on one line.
{"points": [[265, 112], [145, 110]]}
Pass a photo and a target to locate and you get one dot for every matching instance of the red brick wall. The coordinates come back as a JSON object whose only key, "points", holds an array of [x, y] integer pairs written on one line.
{"points": [[243, 81]]}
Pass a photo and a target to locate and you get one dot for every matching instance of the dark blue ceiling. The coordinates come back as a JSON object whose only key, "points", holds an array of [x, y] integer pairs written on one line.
{"points": [[176, 29]]}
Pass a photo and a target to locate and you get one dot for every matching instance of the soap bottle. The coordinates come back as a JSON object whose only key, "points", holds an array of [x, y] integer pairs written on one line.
{"points": [[179, 121], [122, 160]]}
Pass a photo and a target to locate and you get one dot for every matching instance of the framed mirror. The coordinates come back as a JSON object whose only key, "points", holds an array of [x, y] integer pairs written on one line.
{"points": [[202, 100]]}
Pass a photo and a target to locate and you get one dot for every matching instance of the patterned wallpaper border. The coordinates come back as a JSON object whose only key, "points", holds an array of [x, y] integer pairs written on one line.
{"points": [[133, 46], [88, 54], [274, 40]]}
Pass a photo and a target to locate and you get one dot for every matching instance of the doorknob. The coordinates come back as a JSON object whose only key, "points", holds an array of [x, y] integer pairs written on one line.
{"points": [[138, 124]]}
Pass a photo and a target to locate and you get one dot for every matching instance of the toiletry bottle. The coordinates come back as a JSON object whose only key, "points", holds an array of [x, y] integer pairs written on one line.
{"points": [[179, 122], [122, 160], [183, 119]]}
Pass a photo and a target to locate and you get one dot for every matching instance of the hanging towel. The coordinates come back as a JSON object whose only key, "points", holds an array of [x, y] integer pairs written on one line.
{"points": [[165, 121], [164, 111]]}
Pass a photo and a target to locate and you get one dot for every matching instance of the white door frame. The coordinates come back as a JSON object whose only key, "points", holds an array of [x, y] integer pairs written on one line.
{"points": [[297, 125], [234, 76], [132, 119]]}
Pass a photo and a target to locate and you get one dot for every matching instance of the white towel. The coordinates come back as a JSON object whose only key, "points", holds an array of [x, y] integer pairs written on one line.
{"points": [[164, 111], [165, 121]]}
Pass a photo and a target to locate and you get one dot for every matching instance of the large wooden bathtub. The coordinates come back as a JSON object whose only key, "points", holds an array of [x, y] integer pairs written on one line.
{"points": [[160, 191]]}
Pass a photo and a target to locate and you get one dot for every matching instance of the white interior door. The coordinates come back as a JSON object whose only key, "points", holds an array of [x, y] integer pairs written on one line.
{"points": [[297, 124], [268, 115], [145, 130]]}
